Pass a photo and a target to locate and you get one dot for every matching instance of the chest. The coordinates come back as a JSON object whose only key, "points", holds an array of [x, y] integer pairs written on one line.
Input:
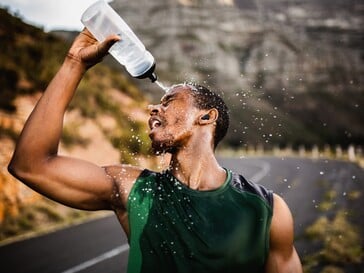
{"points": [[223, 231]]}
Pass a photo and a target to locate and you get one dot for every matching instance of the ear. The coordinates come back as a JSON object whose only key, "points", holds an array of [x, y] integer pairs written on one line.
{"points": [[208, 116]]}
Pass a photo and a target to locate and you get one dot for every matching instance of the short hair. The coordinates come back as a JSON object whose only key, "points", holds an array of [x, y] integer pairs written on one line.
{"points": [[206, 99]]}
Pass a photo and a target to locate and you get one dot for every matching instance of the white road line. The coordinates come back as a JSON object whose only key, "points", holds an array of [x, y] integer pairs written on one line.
{"points": [[102, 257], [265, 168]]}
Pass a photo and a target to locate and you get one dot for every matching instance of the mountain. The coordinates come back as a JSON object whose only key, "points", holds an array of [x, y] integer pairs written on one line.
{"points": [[289, 70]]}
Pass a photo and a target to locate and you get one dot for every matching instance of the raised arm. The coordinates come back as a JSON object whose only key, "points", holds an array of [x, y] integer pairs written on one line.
{"points": [[36, 162], [282, 257]]}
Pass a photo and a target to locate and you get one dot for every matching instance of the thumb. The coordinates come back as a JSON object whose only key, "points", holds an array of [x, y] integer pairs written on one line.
{"points": [[105, 45]]}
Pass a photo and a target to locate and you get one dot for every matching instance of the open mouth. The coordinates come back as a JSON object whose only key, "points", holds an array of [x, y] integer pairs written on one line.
{"points": [[154, 123]]}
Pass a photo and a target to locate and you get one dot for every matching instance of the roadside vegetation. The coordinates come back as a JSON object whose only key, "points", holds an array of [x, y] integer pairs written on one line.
{"points": [[338, 239], [40, 217]]}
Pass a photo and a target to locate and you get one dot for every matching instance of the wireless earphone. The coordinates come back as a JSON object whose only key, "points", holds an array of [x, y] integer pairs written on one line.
{"points": [[205, 117]]}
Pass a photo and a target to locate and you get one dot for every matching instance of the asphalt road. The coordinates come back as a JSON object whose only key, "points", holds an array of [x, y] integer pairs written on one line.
{"points": [[99, 246]]}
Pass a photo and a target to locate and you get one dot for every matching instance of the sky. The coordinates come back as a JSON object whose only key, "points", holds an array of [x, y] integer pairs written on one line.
{"points": [[50, 14]]}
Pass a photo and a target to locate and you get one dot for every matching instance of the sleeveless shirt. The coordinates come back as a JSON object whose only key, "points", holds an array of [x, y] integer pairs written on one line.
{"points": [[175, 229]]}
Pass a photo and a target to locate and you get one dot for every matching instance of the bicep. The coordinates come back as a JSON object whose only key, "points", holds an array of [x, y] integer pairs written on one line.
{"points": [[282, 257], [72, 182]]}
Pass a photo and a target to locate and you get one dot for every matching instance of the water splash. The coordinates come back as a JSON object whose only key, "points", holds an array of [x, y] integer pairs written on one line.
{"points": [[164, 88]]}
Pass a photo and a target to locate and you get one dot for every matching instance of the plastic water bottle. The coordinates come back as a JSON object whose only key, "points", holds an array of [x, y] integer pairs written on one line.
{"points": [[101, 20]]}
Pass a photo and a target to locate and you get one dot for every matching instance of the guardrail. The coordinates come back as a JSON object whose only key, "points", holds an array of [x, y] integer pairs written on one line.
{"points": [[352, 153]]}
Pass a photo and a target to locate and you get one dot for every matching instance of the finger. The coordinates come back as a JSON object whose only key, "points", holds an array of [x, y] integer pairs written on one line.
{"points": [[88, 34], [86, 31], [107, 43]]}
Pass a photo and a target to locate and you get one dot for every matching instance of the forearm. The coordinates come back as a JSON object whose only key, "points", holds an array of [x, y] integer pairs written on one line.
{"points": [[41, 134]]}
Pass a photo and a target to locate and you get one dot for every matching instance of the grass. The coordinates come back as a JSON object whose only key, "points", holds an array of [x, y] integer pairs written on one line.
{"points": [[8, 132], [71, 135], [339, 240], [39, 217], [329, 201]]}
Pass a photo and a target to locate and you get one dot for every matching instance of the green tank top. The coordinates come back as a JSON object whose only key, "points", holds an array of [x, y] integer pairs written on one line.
{"points": [[175, 229]]}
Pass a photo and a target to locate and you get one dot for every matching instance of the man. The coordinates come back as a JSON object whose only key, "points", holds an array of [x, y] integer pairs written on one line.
{"points": [[194, 217]]}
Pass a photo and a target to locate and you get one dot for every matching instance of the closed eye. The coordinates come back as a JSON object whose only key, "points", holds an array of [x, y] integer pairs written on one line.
{"points": [[167, 100], [166, 103]]}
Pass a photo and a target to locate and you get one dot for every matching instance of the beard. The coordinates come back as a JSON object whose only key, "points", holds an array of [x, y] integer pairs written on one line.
{"points": [[161, 147], [163, 144]]}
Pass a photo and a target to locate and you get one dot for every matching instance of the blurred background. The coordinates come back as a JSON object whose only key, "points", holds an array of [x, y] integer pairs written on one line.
{"points": [[291, 72]]}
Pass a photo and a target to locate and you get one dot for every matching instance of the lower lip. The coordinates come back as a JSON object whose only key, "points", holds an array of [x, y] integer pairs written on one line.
{"points": [[154, 128]]}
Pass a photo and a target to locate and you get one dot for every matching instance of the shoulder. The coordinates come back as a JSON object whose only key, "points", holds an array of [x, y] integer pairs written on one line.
{"points": [[239, 183], [123, 173], [281, 231], [123, 178], [283, 256]]}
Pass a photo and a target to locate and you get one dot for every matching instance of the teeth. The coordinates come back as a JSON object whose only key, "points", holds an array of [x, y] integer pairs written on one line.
{"points": [[155, 123]]}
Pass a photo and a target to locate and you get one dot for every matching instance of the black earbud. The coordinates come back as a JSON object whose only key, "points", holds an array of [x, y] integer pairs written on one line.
{"points": [[205, 117]]}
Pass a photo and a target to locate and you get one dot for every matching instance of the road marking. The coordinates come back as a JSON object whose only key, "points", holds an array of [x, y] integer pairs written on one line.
{"points": [[98, 259], [265, 168]]}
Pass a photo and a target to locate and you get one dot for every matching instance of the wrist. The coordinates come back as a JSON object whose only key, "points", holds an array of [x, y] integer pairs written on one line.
{"points": [[74, 63]]}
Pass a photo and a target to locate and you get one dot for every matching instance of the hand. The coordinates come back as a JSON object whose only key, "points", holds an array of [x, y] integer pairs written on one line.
{"points": [[88, 51]]}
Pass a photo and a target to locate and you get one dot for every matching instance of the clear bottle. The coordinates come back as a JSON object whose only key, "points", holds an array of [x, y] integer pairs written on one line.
{"points": [[101, 20]]}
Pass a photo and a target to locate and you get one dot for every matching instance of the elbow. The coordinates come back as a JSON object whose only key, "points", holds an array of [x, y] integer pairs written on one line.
{"points": [[14, 168], [26, 168], [18, 169]]}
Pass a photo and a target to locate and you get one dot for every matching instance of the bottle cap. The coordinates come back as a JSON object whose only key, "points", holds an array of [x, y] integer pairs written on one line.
{"points": [[149, 74]]}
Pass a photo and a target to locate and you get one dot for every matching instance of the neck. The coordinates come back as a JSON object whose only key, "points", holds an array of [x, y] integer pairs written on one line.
{"points": [[196, 166]]}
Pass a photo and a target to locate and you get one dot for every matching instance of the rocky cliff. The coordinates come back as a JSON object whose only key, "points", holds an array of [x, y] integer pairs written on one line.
{"points": [[289, 70]]}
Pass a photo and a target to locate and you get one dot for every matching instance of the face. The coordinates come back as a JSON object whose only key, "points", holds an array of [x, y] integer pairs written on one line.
{"points": [[172, 121]]}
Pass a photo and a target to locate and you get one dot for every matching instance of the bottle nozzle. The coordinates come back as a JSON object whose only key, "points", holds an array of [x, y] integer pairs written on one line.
{"points": [[153, 77]]}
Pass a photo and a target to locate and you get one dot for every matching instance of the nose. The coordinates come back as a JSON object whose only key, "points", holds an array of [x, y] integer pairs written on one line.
{"points": [[153, 109]]}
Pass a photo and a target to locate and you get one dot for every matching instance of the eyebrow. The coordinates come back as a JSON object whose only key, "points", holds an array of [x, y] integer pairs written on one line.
{"points": [[167, 97]]}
